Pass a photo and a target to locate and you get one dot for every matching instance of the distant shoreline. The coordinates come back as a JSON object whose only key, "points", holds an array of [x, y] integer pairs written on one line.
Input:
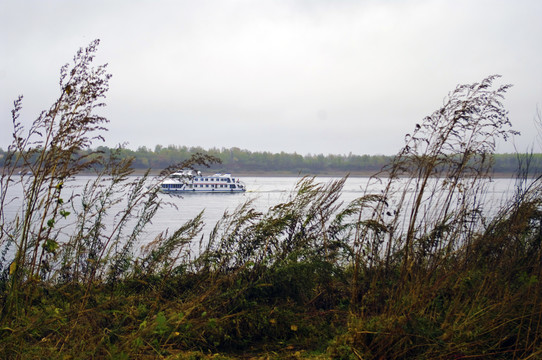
{"points": [[366, 173], [496, 175]]}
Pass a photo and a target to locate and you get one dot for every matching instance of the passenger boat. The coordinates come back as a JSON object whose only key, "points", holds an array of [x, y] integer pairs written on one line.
{"points": [[189, 181]]}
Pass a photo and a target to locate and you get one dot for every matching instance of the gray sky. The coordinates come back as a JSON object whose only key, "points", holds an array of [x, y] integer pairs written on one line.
{"points": [[303, 76]]}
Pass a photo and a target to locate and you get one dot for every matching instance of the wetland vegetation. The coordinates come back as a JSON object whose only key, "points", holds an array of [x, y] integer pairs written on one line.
{"points": [[417, 271]]}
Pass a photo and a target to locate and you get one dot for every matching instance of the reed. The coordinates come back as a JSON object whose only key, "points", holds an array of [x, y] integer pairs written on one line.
{"points": [[420, 270], [59, 237], [444, 280]]}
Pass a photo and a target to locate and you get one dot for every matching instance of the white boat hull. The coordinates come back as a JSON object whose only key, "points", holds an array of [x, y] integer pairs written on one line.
{"points": [[201, 191], [187, 181]]}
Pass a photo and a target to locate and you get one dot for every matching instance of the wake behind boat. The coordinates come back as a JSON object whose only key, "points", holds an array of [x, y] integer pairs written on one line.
{"points": [[189, 181]]}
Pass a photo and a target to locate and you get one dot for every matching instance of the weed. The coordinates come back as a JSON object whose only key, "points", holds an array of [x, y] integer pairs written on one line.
{"points": [[420, 270]]}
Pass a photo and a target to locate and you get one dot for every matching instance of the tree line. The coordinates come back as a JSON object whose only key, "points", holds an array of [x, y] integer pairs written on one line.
{"points": [[242, 160]]}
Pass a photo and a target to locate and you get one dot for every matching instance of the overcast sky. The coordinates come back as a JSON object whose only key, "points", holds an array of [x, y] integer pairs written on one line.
{"points": [[329, 77]]}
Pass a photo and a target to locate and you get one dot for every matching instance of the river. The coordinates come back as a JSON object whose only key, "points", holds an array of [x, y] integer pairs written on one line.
{"points": [[264, 191], [269, 191]]}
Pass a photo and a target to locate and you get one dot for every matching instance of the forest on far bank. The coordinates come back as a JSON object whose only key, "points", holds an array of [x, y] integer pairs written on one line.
{"points": [[237, 160]]}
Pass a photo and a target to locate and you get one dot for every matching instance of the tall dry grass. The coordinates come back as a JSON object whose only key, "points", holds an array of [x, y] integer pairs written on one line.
{"points": [[422, 269]]}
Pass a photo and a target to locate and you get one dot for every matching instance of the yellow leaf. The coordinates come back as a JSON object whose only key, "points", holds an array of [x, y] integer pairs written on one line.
{"points": [[293, 327], [12, 268]]}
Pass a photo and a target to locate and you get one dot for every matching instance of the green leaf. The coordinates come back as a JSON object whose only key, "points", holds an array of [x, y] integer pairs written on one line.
{"points": [[161, 323], [50, 245]]}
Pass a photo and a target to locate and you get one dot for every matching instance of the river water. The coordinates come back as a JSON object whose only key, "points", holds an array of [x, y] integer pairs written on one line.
{"points": [[264, 191]]}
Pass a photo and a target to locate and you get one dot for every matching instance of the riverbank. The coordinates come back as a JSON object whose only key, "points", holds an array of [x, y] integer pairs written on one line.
{"points": [[286, 285], [336, 174]]}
